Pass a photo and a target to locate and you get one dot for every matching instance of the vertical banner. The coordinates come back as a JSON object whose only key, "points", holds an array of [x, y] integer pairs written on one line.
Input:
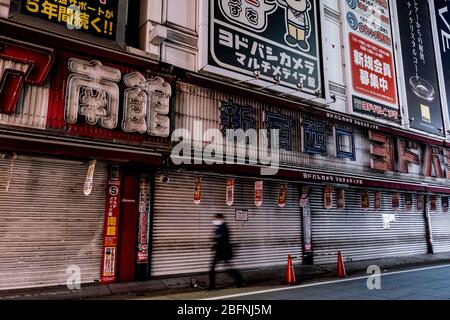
{"points": [[419, 66], [307, 243], [258, 193], [365, 200], [377, 201], [408, 201], [304, 197], [282, 195], [328, 197], [369, 55], [144, 208], [442, 13], [230, 192], [444, 202], [197, 190], [395, 197], [111, 227], [89, 181], [433, 203], [341, 199], [420, 202]]}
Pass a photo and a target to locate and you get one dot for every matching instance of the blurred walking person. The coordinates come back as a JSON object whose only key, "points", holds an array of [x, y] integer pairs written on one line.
{"points": [[223, 253]]}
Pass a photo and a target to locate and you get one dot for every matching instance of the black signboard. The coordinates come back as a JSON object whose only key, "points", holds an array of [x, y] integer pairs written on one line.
{"points": [[97, 17], [419, 64], [274, 39], [442, 12]]}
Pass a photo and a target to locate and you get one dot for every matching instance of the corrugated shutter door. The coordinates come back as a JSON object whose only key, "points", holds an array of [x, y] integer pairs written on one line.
{"points": [[440, 227], [183, 231], [359, 233], [48, 224]]}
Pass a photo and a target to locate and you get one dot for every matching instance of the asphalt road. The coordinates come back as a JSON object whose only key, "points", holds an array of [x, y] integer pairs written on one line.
{"points": [[432, 283]]}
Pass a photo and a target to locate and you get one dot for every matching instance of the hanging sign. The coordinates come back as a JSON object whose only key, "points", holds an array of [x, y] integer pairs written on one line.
{"points": [[89, 178], [395, 197], [197, 190], [265, 39], [241, 215], [408, 201], [433, 203], [365, 200], [282, 196], [258, 193], [142, 240], [230, 192], [304, 197], [369, 53], [444, 201], [341, 199], [419, 66], [420, 201], [307, 242], [377, 201], [111, 227], [328, 197]]}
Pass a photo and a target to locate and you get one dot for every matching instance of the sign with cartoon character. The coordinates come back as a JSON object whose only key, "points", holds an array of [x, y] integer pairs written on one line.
{"points": [[372, 85], [270, 43]]}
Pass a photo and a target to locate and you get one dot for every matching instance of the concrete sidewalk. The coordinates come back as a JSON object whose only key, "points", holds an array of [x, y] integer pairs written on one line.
{"points": [[193, 283]]}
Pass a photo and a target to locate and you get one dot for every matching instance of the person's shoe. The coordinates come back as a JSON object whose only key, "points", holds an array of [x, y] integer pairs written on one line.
{"points": [[290, 40], [303, 45]]}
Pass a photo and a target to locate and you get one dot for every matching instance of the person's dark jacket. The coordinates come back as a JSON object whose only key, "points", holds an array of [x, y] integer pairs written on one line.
{"points": [[222, 243]]}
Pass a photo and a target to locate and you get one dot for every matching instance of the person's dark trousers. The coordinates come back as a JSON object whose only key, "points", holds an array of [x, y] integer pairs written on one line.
{"points": [[230, 271]]}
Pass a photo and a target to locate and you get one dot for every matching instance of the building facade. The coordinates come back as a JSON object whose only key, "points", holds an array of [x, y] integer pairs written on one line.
{"points": [[313, 126]]}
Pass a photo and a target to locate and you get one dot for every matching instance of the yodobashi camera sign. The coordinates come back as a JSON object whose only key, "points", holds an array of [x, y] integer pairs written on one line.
{"points": [[265, 42]]}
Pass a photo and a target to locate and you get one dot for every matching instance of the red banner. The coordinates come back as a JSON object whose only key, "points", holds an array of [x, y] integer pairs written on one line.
{"points": [[144, 195], [377, 201], [230, 192], [365, 200], [328, 197], [198, 190], [111, 227], [282, 196], [258, 193], [341, 199], [395, 200]]}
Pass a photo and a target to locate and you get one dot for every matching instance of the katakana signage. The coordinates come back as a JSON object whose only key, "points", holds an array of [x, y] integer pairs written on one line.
{"points": [[419, 66], [277, 40], [98, 17], [369, 54]]}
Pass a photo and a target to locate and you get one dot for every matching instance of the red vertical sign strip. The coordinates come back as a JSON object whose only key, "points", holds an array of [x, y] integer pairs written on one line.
{"points": [[111, 227], [144, 194]]}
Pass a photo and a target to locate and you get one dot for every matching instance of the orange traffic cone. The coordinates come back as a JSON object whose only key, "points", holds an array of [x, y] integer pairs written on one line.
{"points": [[290, 274], [340, 267]]}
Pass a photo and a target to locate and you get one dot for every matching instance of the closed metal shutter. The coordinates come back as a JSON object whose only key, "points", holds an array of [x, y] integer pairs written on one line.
{"points": [[359, 234], [182, 231], [47, 223], [440, 227]]}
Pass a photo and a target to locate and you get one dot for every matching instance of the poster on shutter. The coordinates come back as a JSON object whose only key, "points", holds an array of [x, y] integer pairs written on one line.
{"points": [[89, 181], [241, 215], [369, 53], [304, 197], [341, 199], [444, 202], [282, 196], [365, 200], [395, 197], [377, 200], [197, 190], [419, 67], [420, 201], [442, 13], [258, 193], [408, 201], [328, 197], [111, 226], [307, 243], [387, 220], [144, 195], [433, 203], [230, 192]]}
